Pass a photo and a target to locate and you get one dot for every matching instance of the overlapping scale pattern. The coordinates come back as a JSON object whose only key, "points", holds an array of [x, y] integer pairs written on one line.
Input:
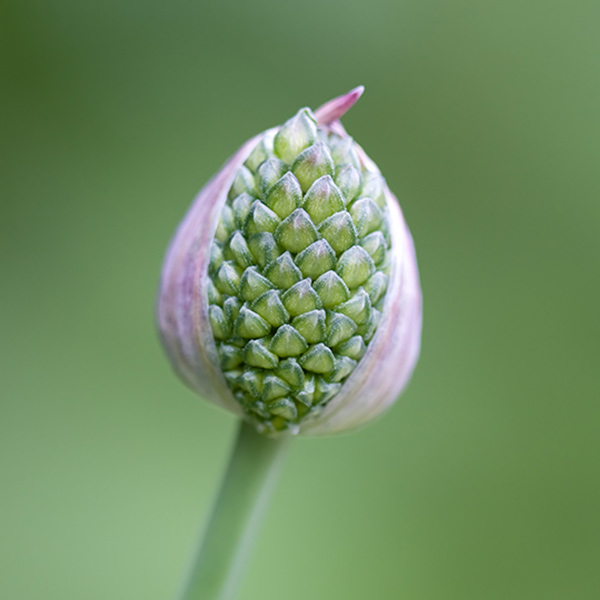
{"points": [[298, 272]]}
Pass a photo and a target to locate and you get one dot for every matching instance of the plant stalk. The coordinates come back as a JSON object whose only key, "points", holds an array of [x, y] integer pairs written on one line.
{"points": [[224, 550]]}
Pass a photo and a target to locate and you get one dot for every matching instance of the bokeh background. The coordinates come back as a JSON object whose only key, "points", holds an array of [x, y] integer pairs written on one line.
{"points": [[482, 483]]}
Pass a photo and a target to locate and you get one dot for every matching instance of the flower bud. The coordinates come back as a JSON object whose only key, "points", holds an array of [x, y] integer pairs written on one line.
{"points": [[290, 292]]}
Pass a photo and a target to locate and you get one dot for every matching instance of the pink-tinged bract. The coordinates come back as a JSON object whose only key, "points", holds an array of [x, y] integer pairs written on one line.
{"points": [[183, 301]]}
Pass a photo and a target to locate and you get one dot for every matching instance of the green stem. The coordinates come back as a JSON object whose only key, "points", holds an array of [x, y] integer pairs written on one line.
{"points": [[220, 560]]}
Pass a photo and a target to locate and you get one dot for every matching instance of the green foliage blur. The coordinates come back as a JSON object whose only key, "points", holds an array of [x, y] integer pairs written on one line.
{"points": [[482, 483]]}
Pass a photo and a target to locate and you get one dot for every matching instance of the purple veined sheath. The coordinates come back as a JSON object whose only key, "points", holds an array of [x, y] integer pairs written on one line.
{"points": [[290, 292]]}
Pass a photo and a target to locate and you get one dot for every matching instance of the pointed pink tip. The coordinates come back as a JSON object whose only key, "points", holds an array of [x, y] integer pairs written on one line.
{"points": [[336, 108]]}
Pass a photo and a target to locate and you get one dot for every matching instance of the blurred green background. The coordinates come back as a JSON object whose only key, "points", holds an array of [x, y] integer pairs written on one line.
{"points": [[482, 483]]}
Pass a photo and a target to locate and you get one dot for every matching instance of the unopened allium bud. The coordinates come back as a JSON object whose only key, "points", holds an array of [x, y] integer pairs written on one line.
{"points": [[290, 293]]}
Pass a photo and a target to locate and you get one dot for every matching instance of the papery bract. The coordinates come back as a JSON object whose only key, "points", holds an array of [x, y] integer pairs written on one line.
{"points": [[312, 235]]}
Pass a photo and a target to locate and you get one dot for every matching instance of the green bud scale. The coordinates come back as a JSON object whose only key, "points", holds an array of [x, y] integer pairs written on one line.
{"points": [[297, 293], [278, 282]]}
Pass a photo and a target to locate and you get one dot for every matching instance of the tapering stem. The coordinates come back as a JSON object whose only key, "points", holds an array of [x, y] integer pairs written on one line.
{"points": [[219, 563]]}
